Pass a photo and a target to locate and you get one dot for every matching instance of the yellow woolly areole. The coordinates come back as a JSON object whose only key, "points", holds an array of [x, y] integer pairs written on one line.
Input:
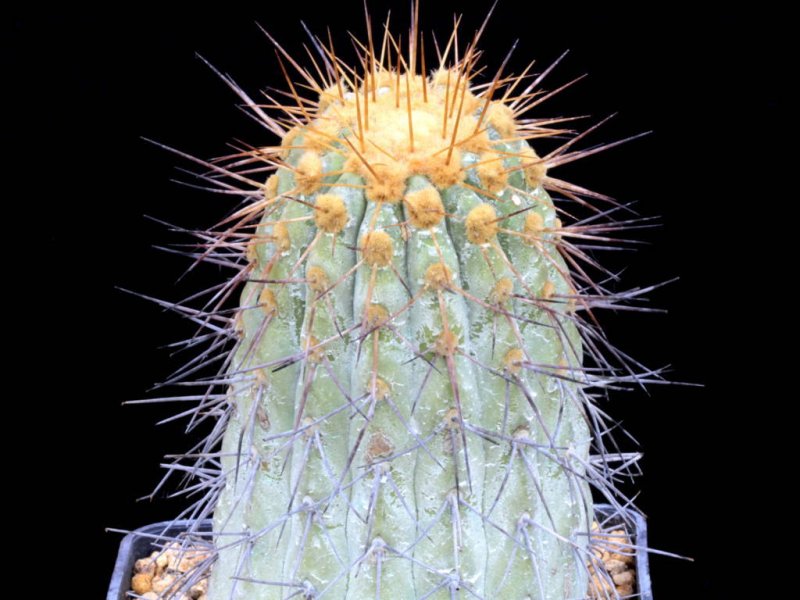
{"points": [[548, 289], [327, 96], [382, 389], [287, 143], [280, 235], [521, 433], [512, 361], [502, 291], [492, 172], [385, 182], [501, 117], [266, 299], [533, 228], [424, 207], [442, 77], [377, 248], [271, 187], [378, 446], [375, 316], [481, 224], [251, 250], [443, 172], [478, 142], [534, 168], [446, 344], [313, 349], [330, 213], [438, 276], [317, 279], [309, 173]]}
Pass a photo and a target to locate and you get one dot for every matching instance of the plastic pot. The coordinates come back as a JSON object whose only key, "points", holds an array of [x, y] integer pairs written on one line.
{"points": [[143, 541]]}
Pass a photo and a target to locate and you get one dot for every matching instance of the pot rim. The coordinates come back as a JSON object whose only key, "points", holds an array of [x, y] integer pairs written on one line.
{"points": [[141, 541]]}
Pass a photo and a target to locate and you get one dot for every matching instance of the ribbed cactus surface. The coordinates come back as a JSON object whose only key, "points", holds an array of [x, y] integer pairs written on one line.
{"points": [[407, 411]]}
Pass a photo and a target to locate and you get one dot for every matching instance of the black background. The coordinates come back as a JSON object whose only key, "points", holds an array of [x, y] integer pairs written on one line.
{"points": [[86, 86]]}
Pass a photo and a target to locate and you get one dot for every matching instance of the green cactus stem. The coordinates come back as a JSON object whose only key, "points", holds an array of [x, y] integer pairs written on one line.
{"points": [[409, 413]]}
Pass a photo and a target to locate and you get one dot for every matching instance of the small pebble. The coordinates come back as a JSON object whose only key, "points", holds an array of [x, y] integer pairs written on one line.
{"points": [[618, 561], [614, 566], [159, 576], [142, 582], [145, 565], [160, 584], [624, 578]]}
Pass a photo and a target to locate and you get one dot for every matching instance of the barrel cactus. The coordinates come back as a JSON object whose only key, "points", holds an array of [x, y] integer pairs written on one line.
{"points": [[407, 410]]}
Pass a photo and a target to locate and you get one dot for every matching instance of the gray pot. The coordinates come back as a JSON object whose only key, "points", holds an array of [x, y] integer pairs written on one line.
{"points": [[143, 541]]}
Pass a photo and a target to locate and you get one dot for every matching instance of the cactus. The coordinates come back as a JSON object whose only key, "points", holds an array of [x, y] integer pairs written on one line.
{"points": [[408, 411]]}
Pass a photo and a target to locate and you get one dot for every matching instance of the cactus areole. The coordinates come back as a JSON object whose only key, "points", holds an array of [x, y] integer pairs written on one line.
{"points": [[406, 411]]}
